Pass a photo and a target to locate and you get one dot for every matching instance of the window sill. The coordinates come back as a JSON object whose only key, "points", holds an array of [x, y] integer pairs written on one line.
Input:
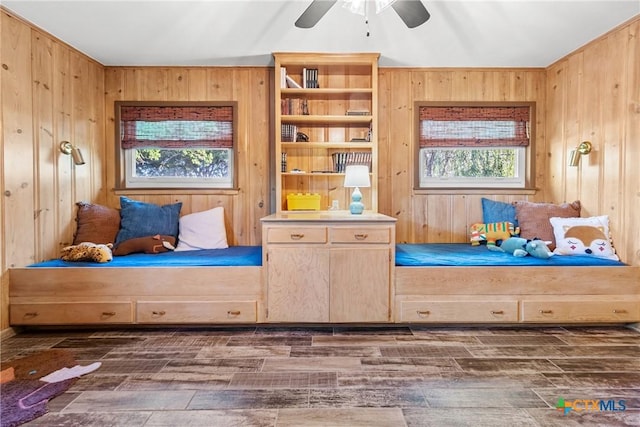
{"points": [[171, 191], [519, 191]]}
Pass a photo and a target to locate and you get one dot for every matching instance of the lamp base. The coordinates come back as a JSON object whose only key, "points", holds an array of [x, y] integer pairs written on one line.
{"points": [[356, 207]]}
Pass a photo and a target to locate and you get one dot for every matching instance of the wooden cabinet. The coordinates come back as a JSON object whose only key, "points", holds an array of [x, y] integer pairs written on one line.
{"points": [[328, 267], [71, 313], [457, 310], [580, 309], [319, 128], [196, 312]]}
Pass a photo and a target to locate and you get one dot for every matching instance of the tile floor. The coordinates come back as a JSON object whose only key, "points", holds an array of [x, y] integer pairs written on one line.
{"points": [[344, 376]]}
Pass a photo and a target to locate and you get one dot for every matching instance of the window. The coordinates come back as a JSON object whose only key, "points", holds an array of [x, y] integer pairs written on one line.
{"points": [[183, 145], [473, 146]]}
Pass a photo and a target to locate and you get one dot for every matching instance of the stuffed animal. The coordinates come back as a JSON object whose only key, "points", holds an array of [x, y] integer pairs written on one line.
{"points": [[492, 232], [87, 251], [519, 247]]}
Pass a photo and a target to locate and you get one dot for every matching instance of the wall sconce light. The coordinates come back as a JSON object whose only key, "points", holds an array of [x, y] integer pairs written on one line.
{"points": [[356, 176], [67, 148], [583, 148]]}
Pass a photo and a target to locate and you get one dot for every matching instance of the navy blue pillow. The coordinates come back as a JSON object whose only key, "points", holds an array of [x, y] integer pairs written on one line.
{"points": [[139, 219], [493, 211]]}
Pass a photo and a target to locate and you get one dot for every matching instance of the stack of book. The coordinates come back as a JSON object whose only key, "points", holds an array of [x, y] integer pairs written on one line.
{"points": [[343, 159]]}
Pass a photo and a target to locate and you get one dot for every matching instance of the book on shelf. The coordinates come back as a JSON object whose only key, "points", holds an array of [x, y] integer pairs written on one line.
{"points": [[294, 106], [358, 112], [347, 158], [288, 132], [290, 82], [310, 78]]}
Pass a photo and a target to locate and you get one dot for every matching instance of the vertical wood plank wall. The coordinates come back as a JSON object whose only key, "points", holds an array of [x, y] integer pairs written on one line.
{"points": [[593, 95], [250, 87], [442, 217], [50, 93]]}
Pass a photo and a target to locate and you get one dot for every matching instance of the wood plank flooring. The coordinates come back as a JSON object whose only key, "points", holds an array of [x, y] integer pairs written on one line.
{"points": [[344, 376]]}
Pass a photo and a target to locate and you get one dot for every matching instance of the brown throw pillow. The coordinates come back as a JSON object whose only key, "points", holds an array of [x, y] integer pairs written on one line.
{"points": [[148, 245], [96, 224], [533, 218]]}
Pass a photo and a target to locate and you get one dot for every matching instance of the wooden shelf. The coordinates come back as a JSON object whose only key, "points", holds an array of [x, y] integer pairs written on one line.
{"points": [[329, 119]]}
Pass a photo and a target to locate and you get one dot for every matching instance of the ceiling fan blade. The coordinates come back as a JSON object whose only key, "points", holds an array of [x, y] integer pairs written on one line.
{"points": [[314, 13], [412, 12]]}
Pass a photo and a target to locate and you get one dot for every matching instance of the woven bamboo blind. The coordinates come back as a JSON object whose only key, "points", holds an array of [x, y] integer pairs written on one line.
{"points": [[176, 126], [495, 126]]}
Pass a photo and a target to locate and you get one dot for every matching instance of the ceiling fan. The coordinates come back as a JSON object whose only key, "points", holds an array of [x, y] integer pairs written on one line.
{"points": [[412, 12]]}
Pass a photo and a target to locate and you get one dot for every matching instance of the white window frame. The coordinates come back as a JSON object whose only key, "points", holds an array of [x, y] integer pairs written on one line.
{"points": [[525, 168], [519, 181], [125, 158], [133, 181]]}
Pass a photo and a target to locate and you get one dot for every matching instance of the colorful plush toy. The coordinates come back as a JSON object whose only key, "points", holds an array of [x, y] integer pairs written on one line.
{"points": [[519, 247], [87, 251], [492, 232]]}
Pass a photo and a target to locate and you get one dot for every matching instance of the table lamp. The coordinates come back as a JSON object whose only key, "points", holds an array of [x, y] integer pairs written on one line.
{"points": [[356, 176]]}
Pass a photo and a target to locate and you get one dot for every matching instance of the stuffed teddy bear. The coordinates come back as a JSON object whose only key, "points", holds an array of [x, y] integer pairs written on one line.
{"points": [[87, 251], [519, 247], [492, 232]]}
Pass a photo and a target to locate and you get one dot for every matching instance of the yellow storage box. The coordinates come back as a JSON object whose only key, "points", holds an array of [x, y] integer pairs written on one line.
{"points": [[303, 202]]}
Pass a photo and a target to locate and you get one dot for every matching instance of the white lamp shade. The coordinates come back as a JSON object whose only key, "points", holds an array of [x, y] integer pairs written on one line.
{"points": [[357, 176]]}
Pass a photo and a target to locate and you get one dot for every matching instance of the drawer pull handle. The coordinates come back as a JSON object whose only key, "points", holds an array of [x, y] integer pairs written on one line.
{"points": [[619, 311], [546, 311], [297, 236], [158, 313], [360, 236], [108, 313], [31, 314], [423, 313], [497, 312], [233, 313]]}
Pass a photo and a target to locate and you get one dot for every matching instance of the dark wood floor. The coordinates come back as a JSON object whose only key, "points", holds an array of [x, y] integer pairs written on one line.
{"points": [[343, 376]]}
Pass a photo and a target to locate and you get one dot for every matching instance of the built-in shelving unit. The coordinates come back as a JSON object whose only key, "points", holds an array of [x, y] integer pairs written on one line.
{"points": [[320, 128]]}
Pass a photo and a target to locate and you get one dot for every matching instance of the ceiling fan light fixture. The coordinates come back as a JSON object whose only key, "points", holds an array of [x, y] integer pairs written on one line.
{"points": [[360, 6]]}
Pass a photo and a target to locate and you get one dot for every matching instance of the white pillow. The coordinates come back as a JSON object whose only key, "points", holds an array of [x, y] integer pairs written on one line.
{"points": [[202, 230], [583, 236]]}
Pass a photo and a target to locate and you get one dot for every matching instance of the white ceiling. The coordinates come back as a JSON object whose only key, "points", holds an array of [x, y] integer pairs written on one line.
{"points": [[460, 33]]}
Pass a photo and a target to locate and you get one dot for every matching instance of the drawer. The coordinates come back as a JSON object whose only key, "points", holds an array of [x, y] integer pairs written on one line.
{"points": [[196, 312], [459, 311], [580, 311], [297, 235], [71, 313], [360, 235]]}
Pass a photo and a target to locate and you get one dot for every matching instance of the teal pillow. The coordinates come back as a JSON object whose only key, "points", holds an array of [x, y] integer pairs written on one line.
{"points": [[493, 211], [140, 219]]}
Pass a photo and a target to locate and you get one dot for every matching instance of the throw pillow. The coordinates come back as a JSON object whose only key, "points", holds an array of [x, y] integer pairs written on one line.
{"points": [[583, 236], [96, 224], [203, 230], [533, 218], [148, 245], [494, 211], [140, 219]]}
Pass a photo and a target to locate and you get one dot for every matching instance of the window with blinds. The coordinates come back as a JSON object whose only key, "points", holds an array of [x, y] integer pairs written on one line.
{"points": [[176, 144], [473, 146]]}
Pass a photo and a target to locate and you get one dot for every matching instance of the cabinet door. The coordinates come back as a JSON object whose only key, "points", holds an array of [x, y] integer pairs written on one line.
{"points": [[298, 279], [360, 284]]}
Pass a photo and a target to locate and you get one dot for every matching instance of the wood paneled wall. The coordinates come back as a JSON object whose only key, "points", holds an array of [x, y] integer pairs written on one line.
{"points": [[594, 95], [250, 87], [440, 216], [50, 93]]}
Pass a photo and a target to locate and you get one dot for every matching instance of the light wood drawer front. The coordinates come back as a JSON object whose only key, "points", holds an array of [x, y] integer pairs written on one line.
{"points": [[196, 312], [71, 313], [580, 311], [297, 235], [459, 311], [360, 235]]}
